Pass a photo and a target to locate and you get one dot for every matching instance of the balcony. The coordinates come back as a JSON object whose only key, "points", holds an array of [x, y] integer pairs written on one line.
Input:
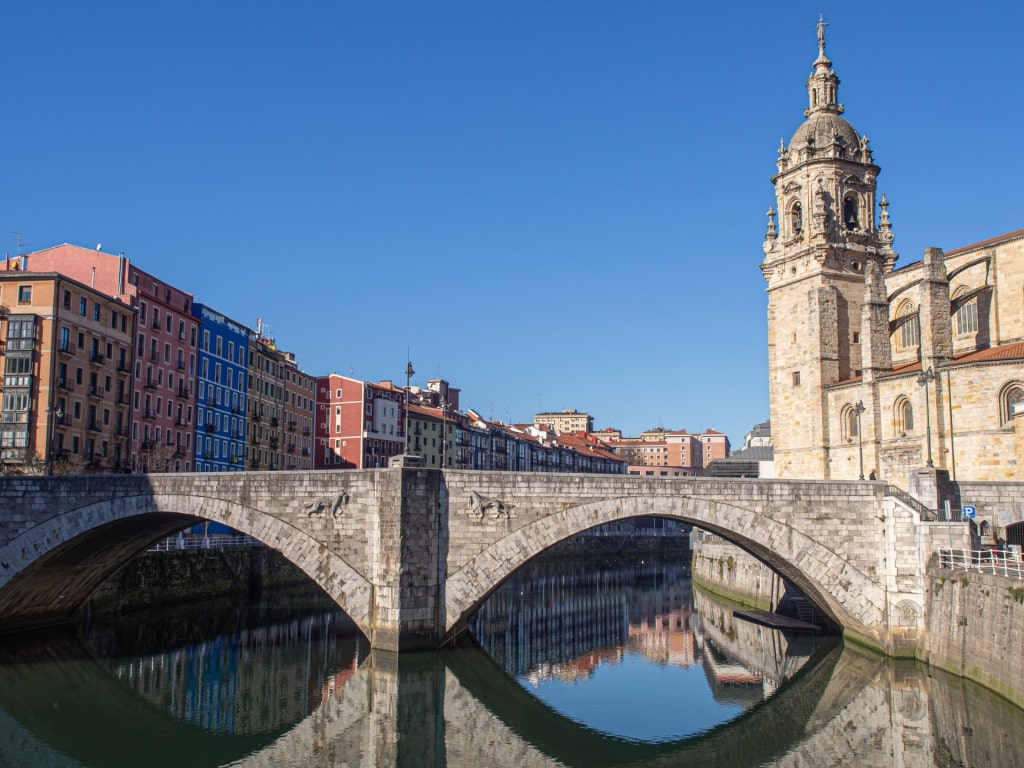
{"points": [[156, 324], [306, 432], [95, 393], [181, 421], [149, 415], [154, 357], [96, 359], [148, 445], [254, 464], [210, 428], [179, 451], [123, 366], [305, 451], [290, 448], [66, 349], [122, 399], [292, 425], [273, 443], [184, 393], [256, 440], [94, 426], [65, 385], [150, 384], [274, 421]]}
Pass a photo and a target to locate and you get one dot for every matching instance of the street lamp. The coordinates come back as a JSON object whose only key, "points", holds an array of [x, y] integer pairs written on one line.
{"points": [[923, 380], [409, 373], [859, 409], [52, 415]]}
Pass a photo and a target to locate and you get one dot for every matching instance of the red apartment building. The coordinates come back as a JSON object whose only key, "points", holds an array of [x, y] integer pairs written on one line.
{"points": [[163, 391], [358, 425]]}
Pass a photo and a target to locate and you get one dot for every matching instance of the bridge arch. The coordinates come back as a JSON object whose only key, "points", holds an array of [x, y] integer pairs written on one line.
{"points": [[848, 595], [52, 569]]}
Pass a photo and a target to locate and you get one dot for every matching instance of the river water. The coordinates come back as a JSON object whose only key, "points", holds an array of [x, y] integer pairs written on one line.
{"points": [[579, 662]]}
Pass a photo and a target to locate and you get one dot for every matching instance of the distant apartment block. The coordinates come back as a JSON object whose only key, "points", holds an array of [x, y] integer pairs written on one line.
{"points": [[569, 420]]}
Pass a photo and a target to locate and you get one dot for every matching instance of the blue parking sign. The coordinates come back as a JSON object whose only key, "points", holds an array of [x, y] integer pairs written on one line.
{"points": [[970, 512]]}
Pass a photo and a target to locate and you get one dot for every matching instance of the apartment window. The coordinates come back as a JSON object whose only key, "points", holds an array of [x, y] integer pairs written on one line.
{"points": [[903, 416], [67, 299], [96, 311], [796, 378], [206, 341], [24, 294]]}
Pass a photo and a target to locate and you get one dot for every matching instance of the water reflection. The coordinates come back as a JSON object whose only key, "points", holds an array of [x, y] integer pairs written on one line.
{"points": [[296, 688], [621, 646]]}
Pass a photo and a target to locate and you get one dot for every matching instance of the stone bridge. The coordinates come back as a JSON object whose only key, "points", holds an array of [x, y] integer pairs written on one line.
{"points": [[410, 553]]}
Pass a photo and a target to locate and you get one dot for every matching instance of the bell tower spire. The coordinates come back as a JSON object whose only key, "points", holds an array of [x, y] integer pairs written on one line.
{"points": [[823, 84], [825, 250]]}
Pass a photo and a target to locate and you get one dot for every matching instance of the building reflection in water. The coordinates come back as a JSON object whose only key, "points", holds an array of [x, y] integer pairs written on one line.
{"points": [[291, 689], [255, 680], [549, 624]]}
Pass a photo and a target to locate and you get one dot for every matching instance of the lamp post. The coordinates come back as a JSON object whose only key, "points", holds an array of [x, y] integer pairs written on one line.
{"points": [[923, 380], [52, 415], [859, 409], [444, 427], [409, 373]]}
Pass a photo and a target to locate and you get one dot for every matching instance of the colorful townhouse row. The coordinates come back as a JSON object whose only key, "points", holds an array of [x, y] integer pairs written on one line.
{"points": [[108, 368]]}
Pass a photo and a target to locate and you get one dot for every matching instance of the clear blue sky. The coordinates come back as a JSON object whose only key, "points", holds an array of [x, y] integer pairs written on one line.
{"points": [[552, 205]]}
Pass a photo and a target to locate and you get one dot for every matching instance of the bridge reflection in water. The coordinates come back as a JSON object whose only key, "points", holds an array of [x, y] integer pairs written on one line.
{"points": [[306, 692]]}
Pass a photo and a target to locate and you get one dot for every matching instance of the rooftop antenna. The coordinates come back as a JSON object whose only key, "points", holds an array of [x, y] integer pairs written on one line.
{"points": [[17, 240], [351, 371]]}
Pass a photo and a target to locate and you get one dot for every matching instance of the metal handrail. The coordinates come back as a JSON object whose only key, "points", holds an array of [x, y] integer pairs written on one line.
{"points": [[182, 543], [905, 498], [995, 561]]}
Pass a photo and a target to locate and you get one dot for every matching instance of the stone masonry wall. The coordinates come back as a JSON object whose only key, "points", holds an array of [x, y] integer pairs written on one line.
{"points": [[976, 629], [727, 570]]}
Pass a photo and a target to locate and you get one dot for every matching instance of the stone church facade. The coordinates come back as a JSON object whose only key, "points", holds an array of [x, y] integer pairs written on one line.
{"points": [[876, 370]]}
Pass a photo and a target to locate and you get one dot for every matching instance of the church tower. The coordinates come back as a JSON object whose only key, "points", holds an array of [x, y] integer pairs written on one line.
{"points": [[825, 257]]}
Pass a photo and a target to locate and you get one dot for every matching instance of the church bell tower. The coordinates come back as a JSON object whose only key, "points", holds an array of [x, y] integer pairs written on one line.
{"points": [[825, 257]]}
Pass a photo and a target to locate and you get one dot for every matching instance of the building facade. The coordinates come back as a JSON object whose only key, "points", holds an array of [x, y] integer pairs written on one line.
{"points": [[876, 371], [221, 392], [358, 424], [66, 393], [569, 420], [164, 359]]}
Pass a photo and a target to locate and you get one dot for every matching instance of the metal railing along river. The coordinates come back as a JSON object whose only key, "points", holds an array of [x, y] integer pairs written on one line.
{"points": [[995, 561], [183, 543]]}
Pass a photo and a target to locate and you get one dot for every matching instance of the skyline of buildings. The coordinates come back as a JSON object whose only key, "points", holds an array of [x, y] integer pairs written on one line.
{"points": [[110, 369]]}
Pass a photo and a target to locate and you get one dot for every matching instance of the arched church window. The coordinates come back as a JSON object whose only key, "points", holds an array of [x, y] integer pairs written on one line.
{"points": [[903, 416], [850, 219], [796, 218], [908, 335], [848, 423], [966, 318], [1011, 401]]}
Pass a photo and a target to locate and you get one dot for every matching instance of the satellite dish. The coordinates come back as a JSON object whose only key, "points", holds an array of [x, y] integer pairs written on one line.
{"points": [[98, 246]]}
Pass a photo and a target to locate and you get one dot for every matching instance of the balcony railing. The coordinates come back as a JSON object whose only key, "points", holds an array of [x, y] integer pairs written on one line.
{"points": [[95, 392], [209, 427], [97, 359], [149, 414], [94, 426], [150, 384]]}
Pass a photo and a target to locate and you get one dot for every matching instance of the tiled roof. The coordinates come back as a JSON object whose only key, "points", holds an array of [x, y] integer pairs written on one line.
{"points": [[1013, 351], [985, 243]]}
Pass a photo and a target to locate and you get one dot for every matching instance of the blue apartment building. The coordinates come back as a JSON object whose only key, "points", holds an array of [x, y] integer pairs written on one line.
{"points": [[221, 387]]}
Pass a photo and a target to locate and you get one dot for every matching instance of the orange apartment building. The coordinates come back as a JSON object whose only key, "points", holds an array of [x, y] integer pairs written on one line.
{"points": [[67, 373], [163, 390]]}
